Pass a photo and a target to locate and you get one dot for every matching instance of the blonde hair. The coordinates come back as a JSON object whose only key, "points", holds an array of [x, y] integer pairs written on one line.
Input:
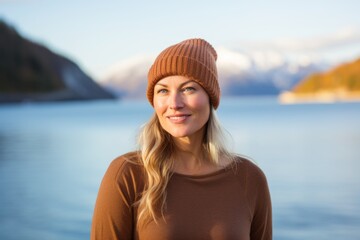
{"points": [[157, 156]]}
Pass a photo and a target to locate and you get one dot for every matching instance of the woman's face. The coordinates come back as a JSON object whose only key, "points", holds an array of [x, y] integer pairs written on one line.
{"points": [[181, 105]]}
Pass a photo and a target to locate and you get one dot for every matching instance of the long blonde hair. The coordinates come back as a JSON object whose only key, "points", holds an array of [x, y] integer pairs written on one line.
{"points": [[157, 156]]}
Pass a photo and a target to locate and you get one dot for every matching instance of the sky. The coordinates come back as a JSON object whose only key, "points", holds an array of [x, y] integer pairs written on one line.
{"points": [[98, 34]]}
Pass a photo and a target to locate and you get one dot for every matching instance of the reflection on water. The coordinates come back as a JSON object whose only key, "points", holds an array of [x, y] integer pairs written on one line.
{"points": [[53, 156]]}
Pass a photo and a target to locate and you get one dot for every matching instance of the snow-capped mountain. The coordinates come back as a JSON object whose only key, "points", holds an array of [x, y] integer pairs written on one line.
{"points": [[128, 78], [240, 73]]}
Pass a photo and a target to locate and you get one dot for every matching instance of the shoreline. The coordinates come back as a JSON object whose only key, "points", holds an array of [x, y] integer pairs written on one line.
{"points": [[319, 97], [55, 96]]}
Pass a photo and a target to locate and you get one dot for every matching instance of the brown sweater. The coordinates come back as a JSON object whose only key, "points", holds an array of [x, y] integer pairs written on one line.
{"points": [[232, 203]]}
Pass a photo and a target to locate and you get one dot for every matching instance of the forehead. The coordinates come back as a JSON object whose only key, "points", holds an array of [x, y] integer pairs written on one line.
{"points": [[175, 80]]}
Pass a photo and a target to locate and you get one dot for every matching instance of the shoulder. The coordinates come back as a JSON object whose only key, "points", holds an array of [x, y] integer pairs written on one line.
{"points": [[255, 182], [128, 160], [250, 170], [126, 167]]}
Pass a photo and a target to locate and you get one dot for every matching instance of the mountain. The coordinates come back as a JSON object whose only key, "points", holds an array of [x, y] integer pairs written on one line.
{"points": [[31, 72], [341, 83], [240, 73]]}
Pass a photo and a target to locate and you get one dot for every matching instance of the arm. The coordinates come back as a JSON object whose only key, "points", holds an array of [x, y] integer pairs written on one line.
{"points": [[261, 226], [113, 214]]}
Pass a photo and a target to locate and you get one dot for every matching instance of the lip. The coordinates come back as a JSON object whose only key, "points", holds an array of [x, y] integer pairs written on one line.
{"points": [[178, 118]]}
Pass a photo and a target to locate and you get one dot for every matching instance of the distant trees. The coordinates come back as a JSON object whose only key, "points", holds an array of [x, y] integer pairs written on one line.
{"points": [[25, 67], [345, 77]]}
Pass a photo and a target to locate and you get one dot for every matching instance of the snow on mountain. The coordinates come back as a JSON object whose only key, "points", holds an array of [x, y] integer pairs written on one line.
{"points": [[128, 78], [240, 73]]}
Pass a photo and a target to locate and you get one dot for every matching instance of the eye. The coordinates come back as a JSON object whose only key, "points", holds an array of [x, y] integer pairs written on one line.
{"points": [[161, 91], [189, 89]]}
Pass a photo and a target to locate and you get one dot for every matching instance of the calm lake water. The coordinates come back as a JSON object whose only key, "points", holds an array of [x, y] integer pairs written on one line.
{"points": [[53, 156]]}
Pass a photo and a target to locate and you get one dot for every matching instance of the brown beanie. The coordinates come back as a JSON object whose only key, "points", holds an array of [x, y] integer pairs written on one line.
{"points": [[193, 58]]}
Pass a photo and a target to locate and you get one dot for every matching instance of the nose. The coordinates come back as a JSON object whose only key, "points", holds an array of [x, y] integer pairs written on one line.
{"points": [[175, 101]]}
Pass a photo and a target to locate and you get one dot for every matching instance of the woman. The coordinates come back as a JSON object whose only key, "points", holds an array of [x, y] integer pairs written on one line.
{"points": [[183, 183]]}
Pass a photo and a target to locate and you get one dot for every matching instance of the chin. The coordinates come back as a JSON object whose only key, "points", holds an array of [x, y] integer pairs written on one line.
{"points": [[178, 135], [184, 134]]}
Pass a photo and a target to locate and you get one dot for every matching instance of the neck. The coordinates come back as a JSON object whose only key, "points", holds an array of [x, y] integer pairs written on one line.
{"points": [[191, 144], [189, 156]]}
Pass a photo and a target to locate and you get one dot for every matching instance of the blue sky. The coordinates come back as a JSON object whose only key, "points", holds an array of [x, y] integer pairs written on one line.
{"points": [[97, 34]]}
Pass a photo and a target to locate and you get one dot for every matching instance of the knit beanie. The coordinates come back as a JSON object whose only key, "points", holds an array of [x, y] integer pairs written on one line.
{"points": [[192, 58]]}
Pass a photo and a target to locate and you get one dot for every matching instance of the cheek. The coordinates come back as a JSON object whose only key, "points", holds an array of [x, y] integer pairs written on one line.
{"points": [[202, 103], [206, 113], [159, 105], [205, 106]]}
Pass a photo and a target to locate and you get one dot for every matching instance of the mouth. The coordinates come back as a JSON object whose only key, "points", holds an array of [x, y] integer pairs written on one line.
{"points": [[179, 118]]}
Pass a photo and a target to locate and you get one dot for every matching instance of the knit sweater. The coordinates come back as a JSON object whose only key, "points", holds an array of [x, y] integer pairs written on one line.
{"points": [[231, 203]]}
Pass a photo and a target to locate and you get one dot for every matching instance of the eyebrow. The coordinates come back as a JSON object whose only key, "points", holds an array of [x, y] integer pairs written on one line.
{"points": [[184, 83]]}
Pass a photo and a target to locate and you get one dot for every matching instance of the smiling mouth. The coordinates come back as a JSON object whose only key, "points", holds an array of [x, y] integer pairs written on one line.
{"points": [[178, 118]]}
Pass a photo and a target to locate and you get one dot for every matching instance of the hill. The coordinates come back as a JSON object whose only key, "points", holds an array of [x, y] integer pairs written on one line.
{"points": [[32, 72], [241, 73], [341, 83]]}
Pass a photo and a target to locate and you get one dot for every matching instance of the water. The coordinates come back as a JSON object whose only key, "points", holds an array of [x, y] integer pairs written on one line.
{"points": [[53, 156]]}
